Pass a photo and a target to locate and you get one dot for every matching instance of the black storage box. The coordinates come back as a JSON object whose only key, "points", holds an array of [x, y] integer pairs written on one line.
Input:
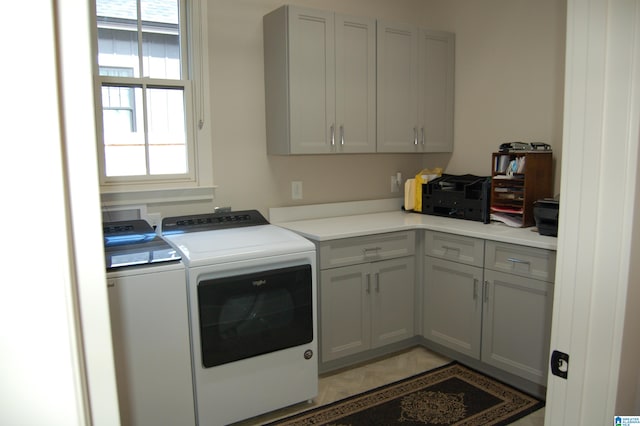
{"points": [[545, 212], [461, 197]]}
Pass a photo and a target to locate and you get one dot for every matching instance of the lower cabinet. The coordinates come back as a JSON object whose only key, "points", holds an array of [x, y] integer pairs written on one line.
{"points": [[453, 305], [482, 299], [366, 293], [516, 324], [366, 306], [500, 318]]}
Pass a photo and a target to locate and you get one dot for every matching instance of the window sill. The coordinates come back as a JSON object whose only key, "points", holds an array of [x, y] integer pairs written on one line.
{"points": [[152, 196]]}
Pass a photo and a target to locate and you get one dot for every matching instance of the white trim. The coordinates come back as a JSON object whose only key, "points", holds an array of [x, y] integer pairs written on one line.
{"points": [[111, 212], [597, 214], [85, 233], [160, 195]]}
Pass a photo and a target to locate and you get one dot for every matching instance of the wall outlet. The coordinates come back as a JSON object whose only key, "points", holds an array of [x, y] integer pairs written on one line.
{"points": [[395, 184], [296, 190]]}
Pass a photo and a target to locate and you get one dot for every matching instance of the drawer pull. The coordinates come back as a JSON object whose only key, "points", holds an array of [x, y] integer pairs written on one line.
{"points": [[447, 248], [515, 260], [372, 251]]}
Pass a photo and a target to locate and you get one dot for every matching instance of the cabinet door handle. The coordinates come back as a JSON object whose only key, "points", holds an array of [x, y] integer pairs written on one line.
{"points": [[415, 136], [368, 289], [475, 289], [377, 282], [333, 135], [111, 283], [485, 291], [422, 135], [342, 135]]}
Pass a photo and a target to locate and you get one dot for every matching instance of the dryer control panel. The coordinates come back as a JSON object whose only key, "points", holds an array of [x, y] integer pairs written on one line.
{"points": [[212, 221]]}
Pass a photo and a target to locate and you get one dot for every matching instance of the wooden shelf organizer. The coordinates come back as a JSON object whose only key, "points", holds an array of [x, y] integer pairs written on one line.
{"points": [[514, 192]]}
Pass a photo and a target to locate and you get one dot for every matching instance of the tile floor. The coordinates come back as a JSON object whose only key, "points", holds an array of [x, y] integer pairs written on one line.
{"points": [[342, 384]]}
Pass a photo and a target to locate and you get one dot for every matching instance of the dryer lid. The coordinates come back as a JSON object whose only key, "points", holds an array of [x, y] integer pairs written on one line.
{"points": [[237, 244]]}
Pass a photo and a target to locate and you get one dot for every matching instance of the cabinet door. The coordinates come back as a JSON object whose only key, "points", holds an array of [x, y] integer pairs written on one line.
{"points": [[392, 296], [355, 84], [397, 88], [311, 80], [453, 305], [517, 324], [345, 311], [436, 90]]}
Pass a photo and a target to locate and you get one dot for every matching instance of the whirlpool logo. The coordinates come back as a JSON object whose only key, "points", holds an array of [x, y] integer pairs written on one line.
{"points": [[258, 283]]}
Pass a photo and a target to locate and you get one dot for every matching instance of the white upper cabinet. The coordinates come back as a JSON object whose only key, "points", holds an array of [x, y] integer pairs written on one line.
{"points": [[397, 88], [436, 61], [355, 84], [319, 82], [343, 84], [415, 89]]}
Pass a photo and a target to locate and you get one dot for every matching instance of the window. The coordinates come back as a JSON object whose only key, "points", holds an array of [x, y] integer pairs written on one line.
{"points": [[145, 111], [118, 103]]}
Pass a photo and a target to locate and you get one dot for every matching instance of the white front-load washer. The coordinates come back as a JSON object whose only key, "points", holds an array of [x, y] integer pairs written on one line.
{"points": [[252, 302]]}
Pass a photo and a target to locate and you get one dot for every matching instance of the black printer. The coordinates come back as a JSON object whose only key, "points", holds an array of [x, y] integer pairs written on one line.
{"points": [[545, 213], [458, 196]]}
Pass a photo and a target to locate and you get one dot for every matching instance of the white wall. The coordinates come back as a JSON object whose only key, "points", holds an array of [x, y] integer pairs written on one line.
{"points": [[509, 80]]}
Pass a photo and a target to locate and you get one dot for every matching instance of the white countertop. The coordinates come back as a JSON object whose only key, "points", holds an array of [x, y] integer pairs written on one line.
{"points": [[345, 226]]}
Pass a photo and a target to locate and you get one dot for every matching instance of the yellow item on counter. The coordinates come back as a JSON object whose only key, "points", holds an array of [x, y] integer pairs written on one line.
{"points": [[409, 194], [423, 177]]}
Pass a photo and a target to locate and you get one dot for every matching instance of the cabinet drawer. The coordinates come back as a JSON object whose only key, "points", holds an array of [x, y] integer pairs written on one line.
{"points": [[521, 260], [455, 247], [350, 251]]}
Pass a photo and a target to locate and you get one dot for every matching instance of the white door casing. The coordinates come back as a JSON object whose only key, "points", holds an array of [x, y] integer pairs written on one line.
{"points": [[598, 190]]}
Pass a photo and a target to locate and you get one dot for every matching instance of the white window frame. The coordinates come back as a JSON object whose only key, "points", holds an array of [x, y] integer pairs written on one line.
{"points": [[197, 184]]}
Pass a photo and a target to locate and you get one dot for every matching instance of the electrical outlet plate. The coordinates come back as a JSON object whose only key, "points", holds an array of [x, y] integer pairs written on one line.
{"points": [[395, 185], [296, 190]]}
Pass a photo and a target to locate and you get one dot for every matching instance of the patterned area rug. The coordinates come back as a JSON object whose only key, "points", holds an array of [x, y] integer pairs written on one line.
{"points": [[449, 395]]}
